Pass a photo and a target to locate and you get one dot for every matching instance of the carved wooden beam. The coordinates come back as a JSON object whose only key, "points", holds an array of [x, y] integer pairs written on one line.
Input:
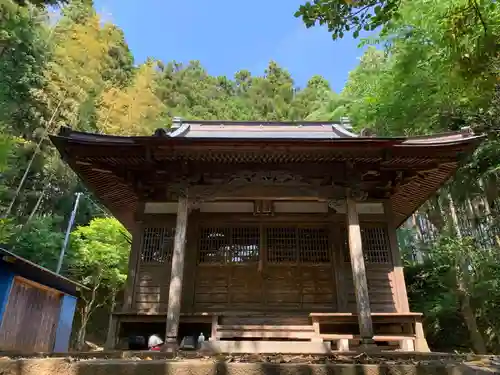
{"points": [[247, 180], [255, 191], [180, 168]]}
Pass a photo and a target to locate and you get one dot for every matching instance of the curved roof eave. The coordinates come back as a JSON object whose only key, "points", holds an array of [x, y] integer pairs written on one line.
{"points": [[446, 139]]}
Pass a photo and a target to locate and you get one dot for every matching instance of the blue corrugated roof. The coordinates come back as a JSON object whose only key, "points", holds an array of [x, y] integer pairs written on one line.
{"points": [[42, 275]]}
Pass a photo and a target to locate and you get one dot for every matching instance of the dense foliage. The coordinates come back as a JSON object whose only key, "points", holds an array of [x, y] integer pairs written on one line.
{"points": [[435, 67]]}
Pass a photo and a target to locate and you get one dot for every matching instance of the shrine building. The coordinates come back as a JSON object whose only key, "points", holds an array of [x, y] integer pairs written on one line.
{"points": [[266, 236]]}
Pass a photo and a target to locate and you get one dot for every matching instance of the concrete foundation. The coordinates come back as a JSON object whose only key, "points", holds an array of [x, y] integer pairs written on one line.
{"points": [[266, 347], [207, 367]]}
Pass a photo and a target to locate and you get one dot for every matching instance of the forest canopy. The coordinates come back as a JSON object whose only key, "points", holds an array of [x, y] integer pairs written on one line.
{"points": [[430, 67]]}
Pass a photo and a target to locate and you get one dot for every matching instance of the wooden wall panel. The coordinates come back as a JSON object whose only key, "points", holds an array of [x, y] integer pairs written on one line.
{"points": [[245, 287], [319, 290], [379, 268], [212, 288], [282, 287], [154, 263], [31, 317], [381, 289], [241, 288], [151, 288]]}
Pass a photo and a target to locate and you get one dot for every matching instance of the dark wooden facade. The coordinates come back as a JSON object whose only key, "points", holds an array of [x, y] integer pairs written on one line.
{"points": [[235, 222], [241, 262]]}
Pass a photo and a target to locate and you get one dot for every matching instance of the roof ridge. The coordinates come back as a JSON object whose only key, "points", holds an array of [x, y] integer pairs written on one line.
{"points": [[255, 122]]}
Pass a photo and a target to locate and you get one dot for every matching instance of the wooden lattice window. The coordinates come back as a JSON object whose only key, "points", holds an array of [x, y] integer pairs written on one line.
{"points": [[295, 244], [229, 244], [157, 245], [313, 245], [281, 245], [375, 241]]}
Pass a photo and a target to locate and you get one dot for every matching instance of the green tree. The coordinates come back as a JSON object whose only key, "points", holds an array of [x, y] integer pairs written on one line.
{"points": [[39, 241], [344, 16], [134, 110], [6, 146], [24, 51], [120, 67], [98, 260], [456, 288], [75, 70], [77, 12], [41, 3], [7, 230]]}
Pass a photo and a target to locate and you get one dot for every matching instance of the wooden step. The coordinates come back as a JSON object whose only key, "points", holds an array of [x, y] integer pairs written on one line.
{"points": [[265, 334], [265, 331], [278, 327], [266, 347], [264, 320], [333, 337]]}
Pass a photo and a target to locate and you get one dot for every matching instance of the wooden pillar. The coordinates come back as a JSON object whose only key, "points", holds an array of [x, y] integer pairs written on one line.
{"points": [[359, 274], [177, 273], [133, 261]]}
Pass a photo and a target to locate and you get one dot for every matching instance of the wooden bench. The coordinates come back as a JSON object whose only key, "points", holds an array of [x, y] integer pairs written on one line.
{"points": [[404, 328]]}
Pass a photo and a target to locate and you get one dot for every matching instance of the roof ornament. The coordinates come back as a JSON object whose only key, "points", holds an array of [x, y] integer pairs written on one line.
{"points": [[65, 131], [346, 123], [367, 132], [176, 122], [466, 131], [160, 132]]}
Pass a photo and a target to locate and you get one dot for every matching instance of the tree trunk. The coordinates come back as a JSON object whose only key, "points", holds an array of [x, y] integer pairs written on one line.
{"points": [[85, 316], [3, 49], [82, 331], [491, 193], [454, 218], [419, 239], [477, 340], [110, 338], [435, 214]]}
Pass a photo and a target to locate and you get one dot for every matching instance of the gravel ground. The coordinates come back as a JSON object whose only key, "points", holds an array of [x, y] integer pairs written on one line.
{"points": [[363, 358]]}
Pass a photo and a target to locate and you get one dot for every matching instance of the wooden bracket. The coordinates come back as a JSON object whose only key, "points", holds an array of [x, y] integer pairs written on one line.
{"points": [[263, 207]]}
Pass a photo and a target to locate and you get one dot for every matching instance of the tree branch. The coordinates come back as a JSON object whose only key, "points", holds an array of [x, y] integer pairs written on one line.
{"points": [[360, 10], [479, 14]]}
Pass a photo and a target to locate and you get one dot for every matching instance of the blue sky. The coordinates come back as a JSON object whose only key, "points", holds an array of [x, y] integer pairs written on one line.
{"points": [[227, 36]]}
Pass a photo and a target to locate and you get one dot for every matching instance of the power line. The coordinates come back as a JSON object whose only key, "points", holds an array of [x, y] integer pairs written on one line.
{"points": [[103, 210], [37, 149], [68, 231]]}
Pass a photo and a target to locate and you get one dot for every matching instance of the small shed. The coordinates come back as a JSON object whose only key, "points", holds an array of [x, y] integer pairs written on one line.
{"points": [[36, 306]]}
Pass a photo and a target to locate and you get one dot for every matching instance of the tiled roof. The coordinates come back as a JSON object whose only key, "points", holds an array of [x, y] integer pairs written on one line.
{"points": [[255, 129]]}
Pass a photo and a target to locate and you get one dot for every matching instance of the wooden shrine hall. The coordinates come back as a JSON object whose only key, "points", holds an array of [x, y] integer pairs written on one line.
{"points": [[266, 236]]}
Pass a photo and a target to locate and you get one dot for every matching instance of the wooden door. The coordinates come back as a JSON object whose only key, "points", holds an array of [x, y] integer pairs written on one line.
{"points": [[299, 272], [30, 319], [264, 267], [228, 275]]}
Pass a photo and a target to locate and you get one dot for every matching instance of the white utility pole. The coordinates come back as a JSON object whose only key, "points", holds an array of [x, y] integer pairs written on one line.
{"points": [[68, 231]]}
